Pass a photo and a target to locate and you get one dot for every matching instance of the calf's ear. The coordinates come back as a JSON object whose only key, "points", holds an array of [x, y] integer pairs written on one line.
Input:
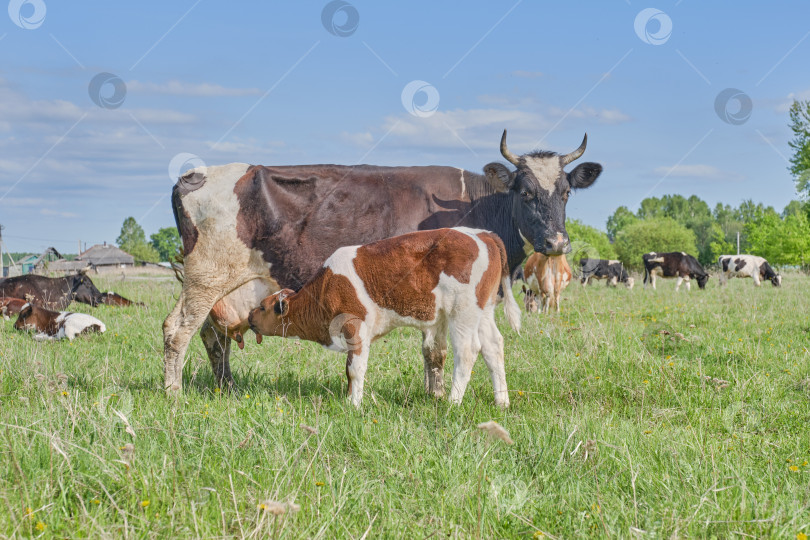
{"points": [[282, 307], [499, 177], [584, 175], [26, 311]]}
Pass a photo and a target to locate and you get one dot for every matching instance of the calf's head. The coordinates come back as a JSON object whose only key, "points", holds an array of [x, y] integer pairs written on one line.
{"points": [[27, 319], [269, 318], [539, 190]]}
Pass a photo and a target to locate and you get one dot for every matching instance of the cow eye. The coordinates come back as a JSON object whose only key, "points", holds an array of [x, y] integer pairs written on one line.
{"points": [[525, 195]]}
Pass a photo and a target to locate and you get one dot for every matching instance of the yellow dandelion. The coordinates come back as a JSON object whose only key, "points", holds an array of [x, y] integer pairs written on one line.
{"points": [[794, 468], [520, 392], [247, 396], [64, 393], [40, 526], [262, 506], [804, 464], [646, 381], [374, 420], [647, 431], [95, 501], [29, 512], [217, 390], [801, 536], [319, 484], [144, 503]]}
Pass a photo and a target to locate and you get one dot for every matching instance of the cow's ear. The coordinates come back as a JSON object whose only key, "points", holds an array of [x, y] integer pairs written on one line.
{"points": [[499, 177], [584, 175], [282, 307], [26, 311]]}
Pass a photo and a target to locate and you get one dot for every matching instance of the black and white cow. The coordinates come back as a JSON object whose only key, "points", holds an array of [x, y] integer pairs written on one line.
{"points": [[613, 271], [744, 266], [675, 264]]}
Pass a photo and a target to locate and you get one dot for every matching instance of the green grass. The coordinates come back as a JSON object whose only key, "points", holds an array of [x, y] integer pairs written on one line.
{"points": [[669, 451]]}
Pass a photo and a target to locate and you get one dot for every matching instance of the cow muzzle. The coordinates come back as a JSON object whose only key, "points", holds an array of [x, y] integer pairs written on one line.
{"points": [[557, 245]]}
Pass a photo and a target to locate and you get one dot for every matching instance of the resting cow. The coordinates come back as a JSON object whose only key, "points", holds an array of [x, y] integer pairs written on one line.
{"points": [[52, 293], [676, 264], [546, 278], [250, 230], [440, 280], [54, 325], [613, 271], [743, 266]]}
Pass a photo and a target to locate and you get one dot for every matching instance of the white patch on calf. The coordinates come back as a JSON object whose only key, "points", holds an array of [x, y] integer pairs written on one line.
{"points": [[546, 170]]}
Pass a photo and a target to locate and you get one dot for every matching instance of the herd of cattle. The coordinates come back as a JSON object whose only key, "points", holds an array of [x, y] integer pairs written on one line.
{"points": [[38, 300], [264, 249]]}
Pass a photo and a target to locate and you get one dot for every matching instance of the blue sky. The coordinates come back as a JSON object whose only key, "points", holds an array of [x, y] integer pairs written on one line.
{"points": [[268, 83]]}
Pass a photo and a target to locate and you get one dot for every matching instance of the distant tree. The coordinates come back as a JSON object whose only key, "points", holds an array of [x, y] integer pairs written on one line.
{"points": [[587, 241], [800, 161], [781, 241], [657, 234], [794, 208], [166, 241], [133, 240], [620, 219]]}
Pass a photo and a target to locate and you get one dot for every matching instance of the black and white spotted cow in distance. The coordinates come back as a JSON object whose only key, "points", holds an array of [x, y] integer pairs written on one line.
{"points": [[743, 266], [613, 271], [676, 264]]}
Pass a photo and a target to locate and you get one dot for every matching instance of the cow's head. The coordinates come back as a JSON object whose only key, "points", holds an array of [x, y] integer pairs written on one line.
{"points": [[777, 280], [702, 279], [84, 291], [539, 189]]}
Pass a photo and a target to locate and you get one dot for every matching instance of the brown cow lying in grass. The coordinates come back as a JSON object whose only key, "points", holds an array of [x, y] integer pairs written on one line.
{"points": [[546, 277], [439, 280], [10, 306], [55, 325]]}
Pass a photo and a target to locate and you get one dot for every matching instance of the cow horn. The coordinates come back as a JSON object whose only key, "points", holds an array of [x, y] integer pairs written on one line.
{"points": [[510, 157], [568, 158]]}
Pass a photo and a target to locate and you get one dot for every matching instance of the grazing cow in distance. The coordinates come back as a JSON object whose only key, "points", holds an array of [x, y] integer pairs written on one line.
{"points": [[546, 278], [613, 271], [439, 280], [250, 230], [10, 306], [52, 293], [54, 325], [743, 266], [675, 264]]}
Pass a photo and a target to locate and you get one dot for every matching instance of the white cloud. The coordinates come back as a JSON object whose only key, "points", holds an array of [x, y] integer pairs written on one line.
{"points": [[49, 212], [784, 105], [708, 172], [180, 88], [527, 74]]}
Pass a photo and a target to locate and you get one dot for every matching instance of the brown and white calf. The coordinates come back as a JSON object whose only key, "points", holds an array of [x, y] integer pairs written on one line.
{"points": [[55, 325], [10, 306], [546, 276], [438, 280]]}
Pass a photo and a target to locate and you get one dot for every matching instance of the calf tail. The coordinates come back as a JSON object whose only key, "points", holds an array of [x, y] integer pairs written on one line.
{"points": [[510, 306]]}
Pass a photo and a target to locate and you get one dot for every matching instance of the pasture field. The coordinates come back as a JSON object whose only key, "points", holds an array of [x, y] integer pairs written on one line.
{"points": [[675, 415]]}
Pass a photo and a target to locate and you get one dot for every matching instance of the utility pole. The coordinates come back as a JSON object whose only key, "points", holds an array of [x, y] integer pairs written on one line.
{"points": [[1, 252], [738, 242]]}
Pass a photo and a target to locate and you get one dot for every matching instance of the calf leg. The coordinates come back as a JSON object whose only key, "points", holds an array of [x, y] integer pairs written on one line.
{"points": [[492, 350], [434, 350], [464, 352], [218, 347], [356, 365], [678, 284]]}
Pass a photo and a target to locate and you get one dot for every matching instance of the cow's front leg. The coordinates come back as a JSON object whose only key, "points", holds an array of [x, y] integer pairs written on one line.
{"points": [[434, 350], [678, 284], [218, 347], [356, 365]]}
